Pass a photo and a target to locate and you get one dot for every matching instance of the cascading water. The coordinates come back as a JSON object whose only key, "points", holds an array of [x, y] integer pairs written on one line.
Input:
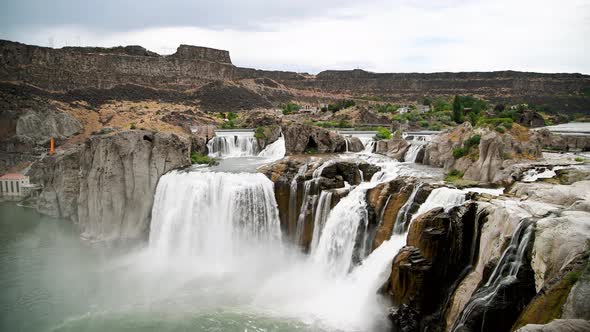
{"points": [[321, 215], [441, 197], [275, 150], [403, 216], [505, 273], [416, 145], [211, 214], [233, 144]]}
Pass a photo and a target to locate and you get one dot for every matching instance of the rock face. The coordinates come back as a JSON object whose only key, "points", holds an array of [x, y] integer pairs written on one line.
{"points": [[107, 186], [560, 142], [558, 325], [297, 190], [394, 148], [190, 67], [43, 126], [424, 272], [301, 138], [531, 119], [485, 161]]}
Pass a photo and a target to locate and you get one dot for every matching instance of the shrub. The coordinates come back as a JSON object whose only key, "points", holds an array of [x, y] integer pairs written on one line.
{"points": [[453, 175], [290, 108], [424, 124], [501, 129], [472, 141], [460, 152], [199, 158], [435, 127], [506, 122], [382, 133], [259, 133], [132, 126], [580, 159]]}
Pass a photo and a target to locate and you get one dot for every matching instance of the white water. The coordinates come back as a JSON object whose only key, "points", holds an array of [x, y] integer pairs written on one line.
{"points": [[275, 150], [535, 174], [441, 197], [212, 214], [321, 215], [233, 145]]}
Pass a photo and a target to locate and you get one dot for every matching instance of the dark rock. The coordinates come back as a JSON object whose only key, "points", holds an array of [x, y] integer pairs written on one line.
{"points": [[300, 138]]}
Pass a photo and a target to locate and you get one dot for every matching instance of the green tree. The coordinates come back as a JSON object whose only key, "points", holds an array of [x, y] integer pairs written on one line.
{"points": [[457, 110]]}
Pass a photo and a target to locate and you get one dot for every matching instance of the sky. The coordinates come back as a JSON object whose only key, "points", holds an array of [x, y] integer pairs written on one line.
{"points": [[315, 35]]}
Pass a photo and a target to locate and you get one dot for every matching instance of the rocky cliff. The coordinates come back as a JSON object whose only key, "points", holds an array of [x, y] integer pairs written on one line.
{"points": [[192, 67], [107, 185]]}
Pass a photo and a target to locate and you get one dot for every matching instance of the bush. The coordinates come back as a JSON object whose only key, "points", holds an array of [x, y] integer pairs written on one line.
{"points": [[132, 126], [290, 108], [472, 141], [201, 159], [501, 129], [494, 122], [580, 159], [259, 133], [435, 127], [460, 152], [382, 133], [453, 175], [424, 124]]}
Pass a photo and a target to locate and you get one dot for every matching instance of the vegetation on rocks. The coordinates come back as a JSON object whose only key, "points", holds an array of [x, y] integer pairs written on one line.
{"points": [[472, 141], [290, 108], [382, 134], [201, 159]]}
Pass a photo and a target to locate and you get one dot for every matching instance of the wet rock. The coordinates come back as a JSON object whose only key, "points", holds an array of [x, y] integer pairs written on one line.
{"points": [[394, 148], [355, 144], [558, 325], [550, 301]]}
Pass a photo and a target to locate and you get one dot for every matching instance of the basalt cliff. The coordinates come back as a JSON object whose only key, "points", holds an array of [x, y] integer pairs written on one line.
{"points": [[208, 77]]}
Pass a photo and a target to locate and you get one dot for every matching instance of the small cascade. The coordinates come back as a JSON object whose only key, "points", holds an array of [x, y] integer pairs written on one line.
{"points": [[309, 200], [416, 145], [336, 244], [321, 215], [233, 145], [293, 198], [403, 216], [505, 273], [275, 150], [441, 197], [212, 215]]}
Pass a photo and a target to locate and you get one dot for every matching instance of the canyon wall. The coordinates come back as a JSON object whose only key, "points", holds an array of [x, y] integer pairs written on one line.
{"points": [[191, 67]]}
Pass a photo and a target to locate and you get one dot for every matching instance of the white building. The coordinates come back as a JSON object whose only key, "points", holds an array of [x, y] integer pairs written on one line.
{"points": [[14, 184], [403, 110]]}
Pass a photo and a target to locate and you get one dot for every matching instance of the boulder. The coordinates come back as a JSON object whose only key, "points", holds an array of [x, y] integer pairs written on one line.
{"points": [[558, 325], [354, 144], [394, 148], [301, 138], [531, 119]]}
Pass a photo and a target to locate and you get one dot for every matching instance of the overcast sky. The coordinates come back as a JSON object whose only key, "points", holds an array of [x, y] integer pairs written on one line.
{"points": [[314, 35]]}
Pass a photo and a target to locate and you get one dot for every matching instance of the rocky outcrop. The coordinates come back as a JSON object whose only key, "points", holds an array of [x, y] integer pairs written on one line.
{"points": [[424, 273], [41, 126], [394, 148], [564, 142], [297, 189], [302, 138], [531, 119], [488, 154], [107, 185], [558, 325]]}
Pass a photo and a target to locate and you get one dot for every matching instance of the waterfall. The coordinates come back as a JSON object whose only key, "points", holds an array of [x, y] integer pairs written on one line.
{"points": [[275, 150], [336, 245], [505, 272], [403, 216], [441, 197], [416, 145], [321, 215], [212, 215], [233, 144]]}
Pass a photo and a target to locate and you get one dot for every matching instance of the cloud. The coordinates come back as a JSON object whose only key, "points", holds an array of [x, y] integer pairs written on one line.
{"points": [[382, 36]]}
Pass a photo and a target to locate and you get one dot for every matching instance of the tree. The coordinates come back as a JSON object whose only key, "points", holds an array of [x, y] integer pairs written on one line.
{"points": [[457, 110]]}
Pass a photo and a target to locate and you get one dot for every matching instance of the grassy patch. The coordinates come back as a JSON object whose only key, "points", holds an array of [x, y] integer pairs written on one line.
{"points": [[201, 159], [259, 133], [382, 133], [580, 159]]}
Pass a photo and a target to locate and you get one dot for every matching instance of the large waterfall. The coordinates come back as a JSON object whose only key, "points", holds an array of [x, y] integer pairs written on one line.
{"points": [[212, 214]]}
